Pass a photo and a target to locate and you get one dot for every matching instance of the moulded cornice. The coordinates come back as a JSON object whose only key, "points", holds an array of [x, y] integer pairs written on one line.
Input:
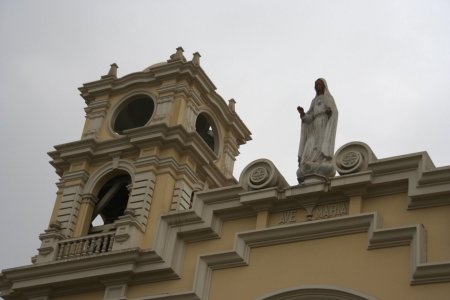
{"points": [[189, 68], [218, 195], [174, 136], [159, 135], [435, 176], [78, 149], [414, 161], [261, 199], [92, 89], [156, 74], [415, 173], [187, 143], [427, 186], [162, 165], [76, 175], [89, 272], [351, 184], [431, 273]]}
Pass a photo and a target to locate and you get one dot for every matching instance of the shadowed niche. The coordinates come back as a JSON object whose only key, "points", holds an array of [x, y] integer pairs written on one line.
{"points": [[204, 128], [112, 201]]}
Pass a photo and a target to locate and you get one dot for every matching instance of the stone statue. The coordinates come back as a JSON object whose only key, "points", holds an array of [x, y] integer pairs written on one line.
{"points": [[318, 133]]}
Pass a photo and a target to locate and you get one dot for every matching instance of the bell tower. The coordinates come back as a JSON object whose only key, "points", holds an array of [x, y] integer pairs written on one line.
{"points": [[150, 141]]}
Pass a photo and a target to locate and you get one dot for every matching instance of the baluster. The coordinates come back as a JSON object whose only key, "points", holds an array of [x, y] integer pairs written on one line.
{"points": [[70, 252], [75, 248], [66, 250], [104, 244], [98, 241], [60, 250], [84, 247], [78, 248], [111, 242], [91, 246]]}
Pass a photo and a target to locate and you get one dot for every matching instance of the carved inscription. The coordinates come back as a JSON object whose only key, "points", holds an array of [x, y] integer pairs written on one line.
{"points": [[320, 212], [330, 211], [288, 216]]}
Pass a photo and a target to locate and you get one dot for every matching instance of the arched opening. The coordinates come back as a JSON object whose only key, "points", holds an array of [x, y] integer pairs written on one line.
{"points": [[317, 293], [206, 129], [112, 200], [133, 113]]}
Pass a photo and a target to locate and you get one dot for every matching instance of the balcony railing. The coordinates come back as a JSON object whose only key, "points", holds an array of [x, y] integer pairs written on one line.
{"points": [[86, 245]]}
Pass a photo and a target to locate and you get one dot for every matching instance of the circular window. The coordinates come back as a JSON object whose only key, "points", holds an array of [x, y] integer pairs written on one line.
{"points": [[134, 113]]}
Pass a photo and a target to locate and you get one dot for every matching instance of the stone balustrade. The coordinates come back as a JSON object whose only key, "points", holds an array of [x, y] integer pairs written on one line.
{"points": [[86, 245]]}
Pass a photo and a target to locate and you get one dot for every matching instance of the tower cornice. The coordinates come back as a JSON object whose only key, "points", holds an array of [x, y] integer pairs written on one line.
{"points": [[159, 135]]}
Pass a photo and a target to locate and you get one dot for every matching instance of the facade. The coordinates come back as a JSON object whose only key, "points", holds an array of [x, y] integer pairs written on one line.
{"points": [[148, 208]]}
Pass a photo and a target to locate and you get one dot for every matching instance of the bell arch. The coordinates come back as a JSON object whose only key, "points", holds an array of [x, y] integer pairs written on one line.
{"points": [[207, 128], [107, 193], [102, 175], [112, 199]]}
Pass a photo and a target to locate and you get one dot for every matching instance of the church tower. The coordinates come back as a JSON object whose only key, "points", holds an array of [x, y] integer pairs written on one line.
{"points": [[151, 140]]}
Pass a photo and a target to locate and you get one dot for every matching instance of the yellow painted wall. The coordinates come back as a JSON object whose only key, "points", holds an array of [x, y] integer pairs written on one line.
{"points": [[342, 262], [192, 253], [394, 212]]}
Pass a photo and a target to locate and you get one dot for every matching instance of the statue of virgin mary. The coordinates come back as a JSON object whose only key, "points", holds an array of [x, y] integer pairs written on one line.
{"points": [[317, 137]]}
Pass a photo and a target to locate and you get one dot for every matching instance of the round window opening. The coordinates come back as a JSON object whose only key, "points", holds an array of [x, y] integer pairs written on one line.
{"points": [[134, 113]]}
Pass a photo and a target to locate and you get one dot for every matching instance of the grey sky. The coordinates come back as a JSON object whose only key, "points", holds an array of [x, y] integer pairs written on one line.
{"points": [[387, 64]]}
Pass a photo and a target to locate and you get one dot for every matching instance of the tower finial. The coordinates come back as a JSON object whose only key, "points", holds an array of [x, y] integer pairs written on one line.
{"points": [[196, 59], [178, 55], [112, 73], [231, 104]]}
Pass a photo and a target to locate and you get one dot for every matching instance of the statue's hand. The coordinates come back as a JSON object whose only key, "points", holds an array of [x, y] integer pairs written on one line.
{"points": [[329, 112], [301, 111]]}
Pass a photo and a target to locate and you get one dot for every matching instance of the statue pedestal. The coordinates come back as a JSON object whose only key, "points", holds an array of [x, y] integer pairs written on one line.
{"points": [[315, 172], [311, 179]]}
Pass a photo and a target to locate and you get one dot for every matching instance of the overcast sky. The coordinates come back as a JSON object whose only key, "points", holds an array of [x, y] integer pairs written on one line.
{"points": [[387, 64]]}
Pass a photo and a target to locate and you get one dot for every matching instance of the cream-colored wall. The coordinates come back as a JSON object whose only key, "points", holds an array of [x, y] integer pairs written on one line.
{"points": [[341, 262], [436, 220], [161, 201], [191, 255]]}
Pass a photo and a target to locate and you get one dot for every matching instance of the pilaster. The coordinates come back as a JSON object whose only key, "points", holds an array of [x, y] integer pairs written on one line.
{"points": [[129, 232], [181, 199], [95, 115], [86, 209], [49, 246]]}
